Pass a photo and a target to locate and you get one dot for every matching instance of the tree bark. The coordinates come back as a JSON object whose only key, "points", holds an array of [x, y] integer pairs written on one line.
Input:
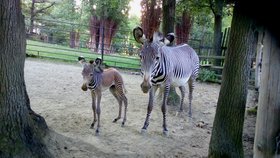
{"points": [[32, 16], [268, 118], [21, 129], [168, 16], [226, 138], [218, 17], [168, 20]]}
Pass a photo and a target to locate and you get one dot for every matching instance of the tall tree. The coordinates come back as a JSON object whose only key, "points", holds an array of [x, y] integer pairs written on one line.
{"points": [[21, 129], [106, 17], [226, 138], [37, 7], [183, 28], [151, 16], [168, 21], [168, 16], [217, 9]]}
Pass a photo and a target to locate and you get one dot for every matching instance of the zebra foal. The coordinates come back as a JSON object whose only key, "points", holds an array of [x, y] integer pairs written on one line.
{"points": [[163, 66], [98, 80]]}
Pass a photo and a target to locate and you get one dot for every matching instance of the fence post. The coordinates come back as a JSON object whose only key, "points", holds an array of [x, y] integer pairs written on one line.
{"points": [[102, 44]]}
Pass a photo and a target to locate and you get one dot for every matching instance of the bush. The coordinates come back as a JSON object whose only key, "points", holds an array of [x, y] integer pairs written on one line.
{"points": [[207, 75]]}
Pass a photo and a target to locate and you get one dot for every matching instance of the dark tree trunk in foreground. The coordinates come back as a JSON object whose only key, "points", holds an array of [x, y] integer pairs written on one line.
{"points": [[226, 138], [267, 136], [21, 130]]}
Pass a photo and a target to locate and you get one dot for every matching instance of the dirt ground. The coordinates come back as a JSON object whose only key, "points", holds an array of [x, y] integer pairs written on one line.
{"points": [[55, 93]]}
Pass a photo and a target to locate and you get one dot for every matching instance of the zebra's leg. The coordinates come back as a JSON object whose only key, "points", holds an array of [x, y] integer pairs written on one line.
{"points": [[93, 108], [150, 108], [98, 111], [163, 108], [125, 109], [115, 94], [183, 91], [191, 87]]}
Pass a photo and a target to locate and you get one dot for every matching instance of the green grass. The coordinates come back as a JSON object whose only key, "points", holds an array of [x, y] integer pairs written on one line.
{"points": [[53, 51]]}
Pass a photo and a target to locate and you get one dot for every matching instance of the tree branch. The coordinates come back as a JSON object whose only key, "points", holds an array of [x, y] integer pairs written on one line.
{"points": [[43, 9], [212, 6]]}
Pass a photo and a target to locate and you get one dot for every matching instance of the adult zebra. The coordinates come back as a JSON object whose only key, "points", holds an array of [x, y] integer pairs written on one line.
{"points": [[163, 66]]}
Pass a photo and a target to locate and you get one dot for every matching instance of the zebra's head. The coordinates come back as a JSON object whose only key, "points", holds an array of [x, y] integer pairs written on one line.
{"points": [[149, 53], [89, 69]]}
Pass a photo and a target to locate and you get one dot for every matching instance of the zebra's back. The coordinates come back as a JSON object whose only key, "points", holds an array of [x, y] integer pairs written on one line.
{"points": [[183, 61]]}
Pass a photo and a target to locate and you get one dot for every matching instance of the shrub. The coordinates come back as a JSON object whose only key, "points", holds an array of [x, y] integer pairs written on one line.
{"points": [[207, 75]]}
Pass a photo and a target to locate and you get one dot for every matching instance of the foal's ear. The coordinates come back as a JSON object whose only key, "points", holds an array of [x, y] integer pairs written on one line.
{"points": [[91, 61], [98, 61], [81, 60]]}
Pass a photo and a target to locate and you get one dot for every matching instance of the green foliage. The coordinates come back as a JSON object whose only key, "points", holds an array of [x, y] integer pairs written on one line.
{"points": [[203, 17], [207, 75]]}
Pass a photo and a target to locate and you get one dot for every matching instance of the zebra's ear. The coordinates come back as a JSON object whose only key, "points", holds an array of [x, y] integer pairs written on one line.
{"points": [[169, 38], [81, 60], [139, 35]]}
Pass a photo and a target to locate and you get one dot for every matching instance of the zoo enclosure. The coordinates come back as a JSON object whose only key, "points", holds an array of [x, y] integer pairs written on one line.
{"points": [[64, 40]]}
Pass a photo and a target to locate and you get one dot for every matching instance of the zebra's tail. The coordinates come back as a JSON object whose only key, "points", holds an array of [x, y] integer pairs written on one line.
{"points": [[124, 89]]}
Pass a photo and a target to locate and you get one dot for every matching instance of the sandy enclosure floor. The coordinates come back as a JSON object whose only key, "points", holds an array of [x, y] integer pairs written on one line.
{"points": [[54, 91]]}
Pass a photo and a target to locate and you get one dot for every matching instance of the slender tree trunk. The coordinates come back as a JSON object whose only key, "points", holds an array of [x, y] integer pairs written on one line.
{"points": [[267, 136], [218, 29], [168, 20], [226, 138], [168, 16], [72, 39], [183, 28], [21, 129], [32, 16]]}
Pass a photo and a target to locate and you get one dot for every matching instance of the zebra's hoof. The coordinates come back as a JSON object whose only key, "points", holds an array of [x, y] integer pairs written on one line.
{"points": [[143, 131], [122, 124], [97, 133], [91, 126], [165, 133], [115, 120]]}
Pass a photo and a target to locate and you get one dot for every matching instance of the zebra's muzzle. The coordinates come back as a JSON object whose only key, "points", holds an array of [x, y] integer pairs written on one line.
{"points": [[84, 87], [145, 87]]}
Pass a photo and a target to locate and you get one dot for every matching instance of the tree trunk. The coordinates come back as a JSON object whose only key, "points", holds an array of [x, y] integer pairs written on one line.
{"points": [[268, 119], [218, 17], [168, 16], [168, 20], [226, 138], [183, 28], [72, 39], [21, 130], [32, 16]]}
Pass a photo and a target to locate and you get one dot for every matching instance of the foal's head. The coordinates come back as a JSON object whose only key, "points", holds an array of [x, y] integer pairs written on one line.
{"points": [[89, 70]]}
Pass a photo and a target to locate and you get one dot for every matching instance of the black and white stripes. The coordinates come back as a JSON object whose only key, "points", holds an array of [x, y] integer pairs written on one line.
{"points": [[165, 66]]}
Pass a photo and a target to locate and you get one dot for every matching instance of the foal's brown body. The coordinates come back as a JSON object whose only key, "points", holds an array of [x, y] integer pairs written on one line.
{"points": [[99, 81]]}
